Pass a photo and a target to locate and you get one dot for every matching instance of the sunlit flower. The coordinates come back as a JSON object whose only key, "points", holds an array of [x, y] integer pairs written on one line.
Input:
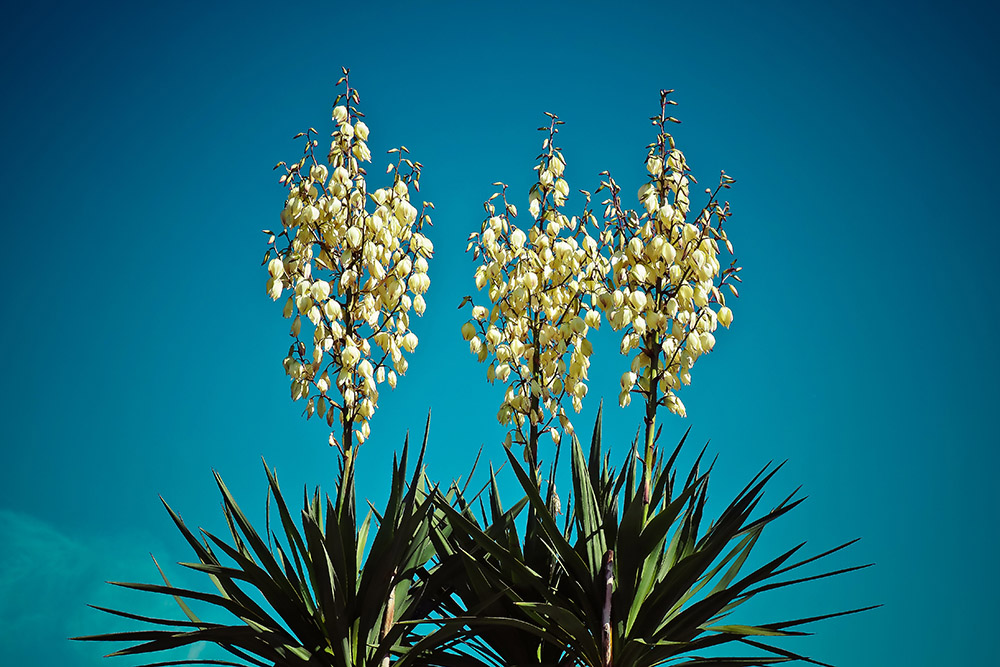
{"points": [[537, 281], [665, 278], [355, 261], [667, 273]]}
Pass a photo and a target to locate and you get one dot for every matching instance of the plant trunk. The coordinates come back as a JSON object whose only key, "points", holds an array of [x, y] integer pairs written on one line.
{"points": [[609, 582], [652, 352]]}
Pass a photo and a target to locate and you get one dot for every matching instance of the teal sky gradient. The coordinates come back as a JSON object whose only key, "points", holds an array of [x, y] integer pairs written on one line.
{"points": [[140, 350]]}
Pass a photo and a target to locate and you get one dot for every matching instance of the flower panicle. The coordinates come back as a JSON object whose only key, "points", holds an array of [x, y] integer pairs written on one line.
{"points": [[665, 285], [653, 273], [354, 264], [539, 281]]}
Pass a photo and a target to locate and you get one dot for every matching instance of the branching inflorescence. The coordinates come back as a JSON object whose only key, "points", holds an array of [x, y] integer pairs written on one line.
{"points": [[356, 264], [665, 277], [539, 281], [654, 275]]}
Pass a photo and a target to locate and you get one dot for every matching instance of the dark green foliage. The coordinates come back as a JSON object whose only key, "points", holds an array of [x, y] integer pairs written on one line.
{"points": [[506, 587], [328, 600], [541, 600]]}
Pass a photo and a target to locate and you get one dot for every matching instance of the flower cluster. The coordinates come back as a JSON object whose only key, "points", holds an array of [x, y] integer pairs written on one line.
{"points": [[354, 274], [665, 274], [536, 280], [655, 275]]}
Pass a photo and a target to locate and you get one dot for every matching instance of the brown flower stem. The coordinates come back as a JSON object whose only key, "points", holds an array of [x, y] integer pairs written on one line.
{"points": [[652, 398], [390, 611], [532, 451], [609, 583], [533, 437]]}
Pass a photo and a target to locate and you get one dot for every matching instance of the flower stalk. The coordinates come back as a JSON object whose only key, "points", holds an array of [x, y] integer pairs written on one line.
{"points": [[355, 262], [535, 329], [609, 586], [665, 277]]}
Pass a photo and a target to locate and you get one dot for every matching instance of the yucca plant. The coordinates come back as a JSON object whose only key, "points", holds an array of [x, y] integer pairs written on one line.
{"points": [[615, 587], [331, 603], [464, 592]]}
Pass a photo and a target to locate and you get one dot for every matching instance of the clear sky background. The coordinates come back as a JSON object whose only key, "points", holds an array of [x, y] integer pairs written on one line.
{"points": [[140, 351]]}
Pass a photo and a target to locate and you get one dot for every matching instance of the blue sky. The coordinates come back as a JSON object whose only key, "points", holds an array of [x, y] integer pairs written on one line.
{"points": [[140, 351]]}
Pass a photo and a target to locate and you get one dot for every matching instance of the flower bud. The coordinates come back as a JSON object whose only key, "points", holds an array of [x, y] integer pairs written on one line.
{"points": [[698, 257], [350, 356], [303, 303], [556, 165], [638, 299], [318, 172], [635, 246], [668, 253], [493, 336], [403, 267], [689, 233], [534, 206], [354, 237], [361, 152], [605, 301], [628, 380], [332, 310], [626, 344], [274, 288], [320, 290], [503, 372]]}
